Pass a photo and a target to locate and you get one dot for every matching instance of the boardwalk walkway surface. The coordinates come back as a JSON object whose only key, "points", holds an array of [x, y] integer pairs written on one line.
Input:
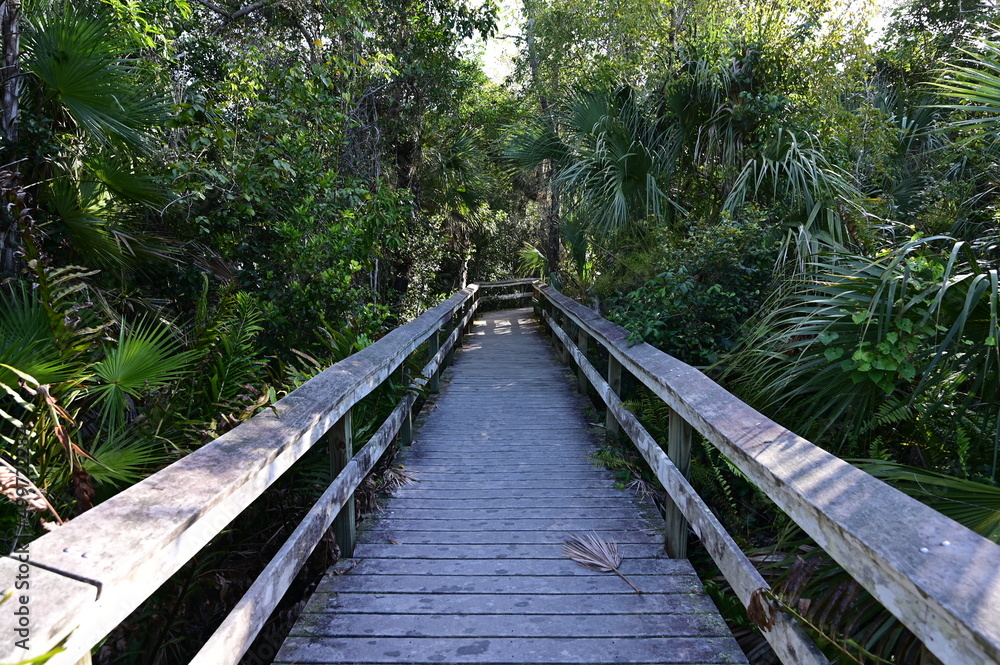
{"points": [[465, 566]]}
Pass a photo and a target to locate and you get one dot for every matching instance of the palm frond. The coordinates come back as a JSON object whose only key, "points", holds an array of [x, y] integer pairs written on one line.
{"points": [[974, 85], [530, 145], [594, 553], [145, 357], [974, 505], [83, 66], [793, 168], [916, 326], [533, 262], [26, 340], [123, 459], [82, 210]]}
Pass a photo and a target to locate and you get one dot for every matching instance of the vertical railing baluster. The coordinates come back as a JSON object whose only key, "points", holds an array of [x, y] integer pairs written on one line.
{"points": [[433, 345], [615, 381], [679, 452], [341, 450], [564, 323], [582, 339], [405, 436]]}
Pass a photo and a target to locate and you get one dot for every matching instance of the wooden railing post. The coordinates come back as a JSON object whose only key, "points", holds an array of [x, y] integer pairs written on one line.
{"points": [[405, 436], [450, 357], [465, 327], [341, 451], [564, 324], [679, 452], [582, 338], [433, 345], [615, 381]]}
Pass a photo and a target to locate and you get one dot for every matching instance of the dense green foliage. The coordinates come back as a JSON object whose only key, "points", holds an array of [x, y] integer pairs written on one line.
{"points": [[207, 203]]}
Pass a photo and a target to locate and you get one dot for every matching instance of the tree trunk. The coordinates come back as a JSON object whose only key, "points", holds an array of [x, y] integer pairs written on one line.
{"points": [[463, 271], [10, 79], [552, 223], [553, 252]]}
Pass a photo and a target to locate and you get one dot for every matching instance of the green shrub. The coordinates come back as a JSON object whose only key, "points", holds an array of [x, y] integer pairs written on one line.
{"points": [[712, 282]]}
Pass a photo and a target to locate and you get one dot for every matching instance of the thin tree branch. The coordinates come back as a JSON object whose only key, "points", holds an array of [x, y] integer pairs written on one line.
{"points": [[232, 17]]}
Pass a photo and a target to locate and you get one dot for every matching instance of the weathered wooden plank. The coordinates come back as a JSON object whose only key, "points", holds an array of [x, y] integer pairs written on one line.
{"points": [[526, 650], [551, 604], [446, 504], [525, 437], [499, 625], [503, 493], [519, 472], [504, 525], [612, 510], [510, 567], [538, 484], [595, 583], [497, 551], [512, 463], [787, 638], [555, 537]]}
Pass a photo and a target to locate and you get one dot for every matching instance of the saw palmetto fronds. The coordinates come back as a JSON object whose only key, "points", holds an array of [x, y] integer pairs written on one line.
{"points": [[593, 552]]}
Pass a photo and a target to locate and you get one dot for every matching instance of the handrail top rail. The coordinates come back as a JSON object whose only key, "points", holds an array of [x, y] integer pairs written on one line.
{"points": [[115, 555], [937, 576]]}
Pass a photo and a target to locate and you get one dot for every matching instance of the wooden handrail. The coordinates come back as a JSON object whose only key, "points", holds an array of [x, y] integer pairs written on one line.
{"points": [[90, 574], [787, 638], [939, 578]]}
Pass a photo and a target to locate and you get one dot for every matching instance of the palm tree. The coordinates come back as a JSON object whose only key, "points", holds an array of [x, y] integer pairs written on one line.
{"points": [[612, 159], [95, 122], [455, 185]]}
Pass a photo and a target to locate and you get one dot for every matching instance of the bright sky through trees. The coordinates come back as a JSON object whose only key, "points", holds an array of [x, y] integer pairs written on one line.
{"points": [[497, 55]]}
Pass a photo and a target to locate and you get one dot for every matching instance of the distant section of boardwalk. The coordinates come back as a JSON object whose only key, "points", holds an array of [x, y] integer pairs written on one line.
{"points": [[466, 564]]}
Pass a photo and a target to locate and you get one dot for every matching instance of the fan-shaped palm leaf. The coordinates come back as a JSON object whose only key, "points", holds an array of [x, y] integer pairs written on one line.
{"points": [[611, 155], [145, 357], [121, 459], [84, 69], [82, 211], [593, 552], [974, 84], [26, 340]]}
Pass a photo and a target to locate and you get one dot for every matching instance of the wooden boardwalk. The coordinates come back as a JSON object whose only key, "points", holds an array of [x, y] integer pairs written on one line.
{"points": [[465, 566]]}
